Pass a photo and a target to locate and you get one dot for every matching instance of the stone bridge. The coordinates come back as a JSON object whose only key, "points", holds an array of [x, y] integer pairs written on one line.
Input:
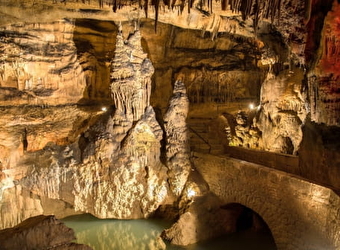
{"points": [[300, 214]]}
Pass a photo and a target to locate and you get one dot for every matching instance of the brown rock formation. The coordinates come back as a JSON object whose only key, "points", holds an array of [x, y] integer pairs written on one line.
{"points": [[128, 154], [131, 77], [40, 232], [324, 75], [110, 167], [177, 150], [203, 219], [39, 64]]}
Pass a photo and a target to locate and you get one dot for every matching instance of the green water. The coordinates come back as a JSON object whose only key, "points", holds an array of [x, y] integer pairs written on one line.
{"points": [[144, 235]]}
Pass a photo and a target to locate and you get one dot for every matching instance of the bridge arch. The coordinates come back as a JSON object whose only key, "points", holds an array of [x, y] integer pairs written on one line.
{"points": [[250, 226], [246, 218], [301, 215]]}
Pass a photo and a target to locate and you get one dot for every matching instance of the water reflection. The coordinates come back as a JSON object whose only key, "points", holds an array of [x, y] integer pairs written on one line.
{"points": [[144, 235], [117, 234]]}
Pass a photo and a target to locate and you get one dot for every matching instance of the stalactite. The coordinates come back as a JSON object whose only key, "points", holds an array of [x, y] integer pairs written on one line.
{"points": [[156, 2], [167, 3], [308, 11], [173, 3], [114, 6], [146, 7], [182, 5]]}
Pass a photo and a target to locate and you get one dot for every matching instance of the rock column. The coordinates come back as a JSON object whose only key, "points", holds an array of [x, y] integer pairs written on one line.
{"points": [[177, 146]]}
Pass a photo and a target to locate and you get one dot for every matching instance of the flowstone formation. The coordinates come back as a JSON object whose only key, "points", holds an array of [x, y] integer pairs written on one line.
{"points": [[111, 168], [131, 77], [283, 110], [276, 123]]}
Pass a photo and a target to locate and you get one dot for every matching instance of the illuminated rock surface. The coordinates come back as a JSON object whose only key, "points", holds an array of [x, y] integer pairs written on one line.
{"points": [[39, 64], [177, 150], [98, 111], [109, 167]]}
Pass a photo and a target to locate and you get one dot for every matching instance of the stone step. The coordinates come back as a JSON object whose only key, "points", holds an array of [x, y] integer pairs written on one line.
{"points": [[203, 137]]}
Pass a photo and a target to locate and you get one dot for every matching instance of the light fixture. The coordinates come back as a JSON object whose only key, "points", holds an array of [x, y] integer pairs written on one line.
{"points": [[191, 193], [104, 109], [251, 106]]}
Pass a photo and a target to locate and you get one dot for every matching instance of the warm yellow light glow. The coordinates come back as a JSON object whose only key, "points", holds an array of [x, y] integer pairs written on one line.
{"points": [[191, 193], [251, 106], [104, 109]]}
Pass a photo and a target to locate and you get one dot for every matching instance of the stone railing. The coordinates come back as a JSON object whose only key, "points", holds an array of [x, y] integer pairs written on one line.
{"points": [[283, 162]]}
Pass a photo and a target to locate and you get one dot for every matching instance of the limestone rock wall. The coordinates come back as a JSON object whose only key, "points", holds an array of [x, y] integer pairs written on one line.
{"points": [[95, 41], [221, 86], [68, 61], [276, 123], [283, 110], [324, 75], [219, 70], [39, 64], [26, 148], [108, 164], [40, 232]]}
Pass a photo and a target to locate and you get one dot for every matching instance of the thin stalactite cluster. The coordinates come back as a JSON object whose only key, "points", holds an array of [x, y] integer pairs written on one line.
{"points": [[255, 9]]}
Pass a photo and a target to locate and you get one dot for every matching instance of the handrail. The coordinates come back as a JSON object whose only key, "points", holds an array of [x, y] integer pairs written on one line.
{"points": [[199, 136]]}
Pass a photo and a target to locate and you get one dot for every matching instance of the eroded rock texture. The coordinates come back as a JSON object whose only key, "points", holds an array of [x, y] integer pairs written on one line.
{"points": [[40, 232], [131, 77], [177, 147], [276, 123], [203, 219], [324, 79], [38, 64], [110, 167], [114, 159]]}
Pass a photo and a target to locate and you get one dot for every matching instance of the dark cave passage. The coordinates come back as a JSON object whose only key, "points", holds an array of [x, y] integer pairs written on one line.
{"points": [[248, 221]]}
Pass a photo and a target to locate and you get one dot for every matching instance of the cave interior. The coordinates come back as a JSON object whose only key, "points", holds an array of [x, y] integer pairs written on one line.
{"points": [[220, 115]]}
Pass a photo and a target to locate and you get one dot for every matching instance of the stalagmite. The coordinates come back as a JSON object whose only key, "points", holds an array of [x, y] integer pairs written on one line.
{"points": [[177, 150]]}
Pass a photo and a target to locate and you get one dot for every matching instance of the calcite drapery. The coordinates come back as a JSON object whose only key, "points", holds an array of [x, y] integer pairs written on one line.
{"points": [[110, 168], [324, 80], [131, 73]]}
